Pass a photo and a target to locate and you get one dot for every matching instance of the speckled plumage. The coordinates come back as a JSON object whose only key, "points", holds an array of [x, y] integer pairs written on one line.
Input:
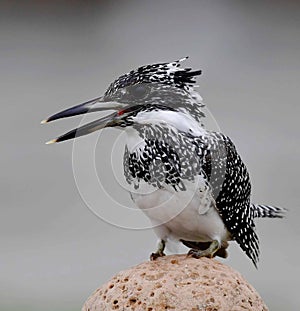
{"points": [[169, 150], [173, 158]]}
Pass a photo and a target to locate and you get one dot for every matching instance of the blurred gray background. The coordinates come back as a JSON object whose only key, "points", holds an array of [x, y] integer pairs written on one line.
{"points": [[55, 54]]}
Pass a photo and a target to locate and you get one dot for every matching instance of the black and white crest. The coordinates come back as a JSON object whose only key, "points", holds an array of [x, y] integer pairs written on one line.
{"points": [[165, 84], [162, 73]]}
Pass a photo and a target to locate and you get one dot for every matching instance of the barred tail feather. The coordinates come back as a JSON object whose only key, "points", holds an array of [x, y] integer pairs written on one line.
{"points": [[262, 211]]}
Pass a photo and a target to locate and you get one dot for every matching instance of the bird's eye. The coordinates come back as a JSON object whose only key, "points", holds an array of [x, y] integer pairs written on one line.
{"points": [[138, 91]]}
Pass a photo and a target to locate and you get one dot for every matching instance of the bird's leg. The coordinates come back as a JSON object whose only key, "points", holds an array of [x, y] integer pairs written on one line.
{"points": [[209, 252], [160, 250]]}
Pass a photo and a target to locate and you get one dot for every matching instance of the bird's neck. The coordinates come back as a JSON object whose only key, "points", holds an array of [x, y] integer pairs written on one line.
{"points": [[167, 126], [176, 120]]}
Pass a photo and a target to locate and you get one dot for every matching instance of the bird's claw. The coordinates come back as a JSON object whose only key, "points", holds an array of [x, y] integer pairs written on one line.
{"points": [[209, 252], [195, 253]]}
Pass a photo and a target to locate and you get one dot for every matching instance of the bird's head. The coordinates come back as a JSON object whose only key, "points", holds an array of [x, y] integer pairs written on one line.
{"points": [[163, 84]]}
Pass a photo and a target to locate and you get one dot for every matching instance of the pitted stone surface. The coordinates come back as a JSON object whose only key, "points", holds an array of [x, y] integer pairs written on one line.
{"points": [[177, 283]]}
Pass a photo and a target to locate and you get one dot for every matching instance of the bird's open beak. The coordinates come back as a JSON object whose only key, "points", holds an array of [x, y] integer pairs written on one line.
{"points": [[107, 121], [97, 104]]}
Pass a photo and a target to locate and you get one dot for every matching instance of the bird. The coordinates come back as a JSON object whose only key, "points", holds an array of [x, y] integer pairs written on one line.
{"points": [[198, 187]]}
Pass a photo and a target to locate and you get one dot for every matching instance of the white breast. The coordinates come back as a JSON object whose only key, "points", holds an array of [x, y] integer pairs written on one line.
{"points": [[183, 215]]}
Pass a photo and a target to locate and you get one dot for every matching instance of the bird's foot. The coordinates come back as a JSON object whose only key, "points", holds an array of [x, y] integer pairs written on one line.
{"points": [[195, 253], [156, 255], [221, 252], [209, 252]]}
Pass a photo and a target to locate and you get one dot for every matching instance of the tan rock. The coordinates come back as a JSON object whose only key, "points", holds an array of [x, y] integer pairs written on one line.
{"points": [[176, 283]]}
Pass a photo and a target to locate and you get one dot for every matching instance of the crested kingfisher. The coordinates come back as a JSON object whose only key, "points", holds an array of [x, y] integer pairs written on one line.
{"points": [[199, 186]]}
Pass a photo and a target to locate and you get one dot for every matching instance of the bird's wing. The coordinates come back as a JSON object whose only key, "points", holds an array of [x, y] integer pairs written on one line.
{"points": [[231, 189]]}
